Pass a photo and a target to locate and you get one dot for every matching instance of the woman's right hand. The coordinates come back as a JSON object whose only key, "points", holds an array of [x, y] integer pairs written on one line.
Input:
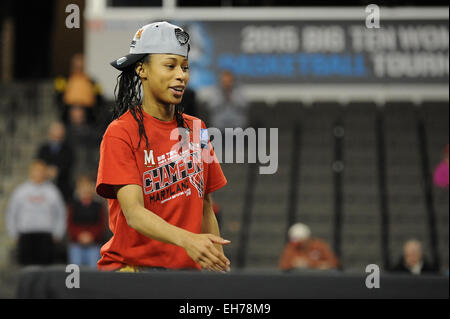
{"points": [[200, 247]]}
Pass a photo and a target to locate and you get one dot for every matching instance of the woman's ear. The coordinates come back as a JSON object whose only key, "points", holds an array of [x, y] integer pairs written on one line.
{"points": [[140, 70]]}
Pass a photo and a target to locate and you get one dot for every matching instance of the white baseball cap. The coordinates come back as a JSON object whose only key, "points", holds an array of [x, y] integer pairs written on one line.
{"points": [[158, 37], [298, 232]]}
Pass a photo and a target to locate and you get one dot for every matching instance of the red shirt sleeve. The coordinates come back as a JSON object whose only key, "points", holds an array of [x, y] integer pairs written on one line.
{"points": [[216, 178], [117, 166]]}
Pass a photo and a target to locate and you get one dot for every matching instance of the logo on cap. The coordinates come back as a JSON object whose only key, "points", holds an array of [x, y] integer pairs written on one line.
{"points": [[182, 37], [121, 60], [139, 34]]}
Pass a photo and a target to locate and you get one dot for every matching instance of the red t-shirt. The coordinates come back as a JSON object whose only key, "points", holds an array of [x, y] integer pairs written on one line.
{"points": [[174, 184]]}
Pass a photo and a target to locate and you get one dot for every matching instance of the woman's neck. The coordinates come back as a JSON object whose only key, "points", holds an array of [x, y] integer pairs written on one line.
{"points": [[163, 112]]}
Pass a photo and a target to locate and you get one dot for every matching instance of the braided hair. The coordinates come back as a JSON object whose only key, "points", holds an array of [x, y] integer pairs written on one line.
{"points": [[127, 94]]}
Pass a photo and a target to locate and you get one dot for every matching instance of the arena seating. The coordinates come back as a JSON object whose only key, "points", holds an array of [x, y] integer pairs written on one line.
{"points": [[256, 210], [362, 228], [361, 222]]}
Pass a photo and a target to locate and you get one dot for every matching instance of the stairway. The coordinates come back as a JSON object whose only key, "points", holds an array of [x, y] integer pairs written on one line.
{"points": [[270, 209], [315, 194], [408, 214], [231, 201], [361, 219], [27, 110]]}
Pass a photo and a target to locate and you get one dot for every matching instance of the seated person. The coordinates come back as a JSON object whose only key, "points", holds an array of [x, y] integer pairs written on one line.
{"points": [[412, 261], [305, 252]]}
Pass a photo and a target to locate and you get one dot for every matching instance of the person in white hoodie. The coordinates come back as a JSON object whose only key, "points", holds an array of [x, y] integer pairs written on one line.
{"points": [[36, 217]]}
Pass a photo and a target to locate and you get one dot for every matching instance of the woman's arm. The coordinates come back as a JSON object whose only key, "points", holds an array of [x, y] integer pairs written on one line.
{"points": [[200, 247], [209, 222]]}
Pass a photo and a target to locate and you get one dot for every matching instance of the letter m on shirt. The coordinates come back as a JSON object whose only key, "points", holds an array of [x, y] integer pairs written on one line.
{"points": [[149, 159]]}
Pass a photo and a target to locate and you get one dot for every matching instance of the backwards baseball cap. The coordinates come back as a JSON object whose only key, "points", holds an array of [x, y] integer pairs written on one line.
{"points": [[158, 37]]}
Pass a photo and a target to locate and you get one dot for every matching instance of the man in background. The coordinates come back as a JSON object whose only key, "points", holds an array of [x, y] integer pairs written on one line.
{"points": [[36, 217], [57, 153], [78, 89], [227, 105], [413, 261], [304, 252]]}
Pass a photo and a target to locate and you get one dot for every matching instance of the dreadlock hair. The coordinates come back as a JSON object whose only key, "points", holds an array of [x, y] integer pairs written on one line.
{"points": [[127, 94]]}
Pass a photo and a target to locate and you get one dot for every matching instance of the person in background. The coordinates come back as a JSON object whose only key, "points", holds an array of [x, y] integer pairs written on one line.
{"points": [[441, 171], [84, 140], [78, 90], [227, 104], [304, 252], [86, 224], [413, 261], [58, 155], [36, 217]]}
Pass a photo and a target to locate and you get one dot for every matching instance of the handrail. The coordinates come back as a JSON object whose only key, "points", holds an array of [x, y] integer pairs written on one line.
{"points": [[338, 169], [428, 189], [294, 181]]}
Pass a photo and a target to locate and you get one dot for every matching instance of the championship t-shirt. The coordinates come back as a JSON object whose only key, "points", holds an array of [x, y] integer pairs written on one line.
{"points": [[175, 175]]}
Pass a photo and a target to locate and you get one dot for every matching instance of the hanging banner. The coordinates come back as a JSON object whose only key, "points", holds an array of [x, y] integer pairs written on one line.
{"points": [[325, 52]]}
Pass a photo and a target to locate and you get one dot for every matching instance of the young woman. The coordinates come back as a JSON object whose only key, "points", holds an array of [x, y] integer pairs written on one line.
{"points": [[160, 209]]}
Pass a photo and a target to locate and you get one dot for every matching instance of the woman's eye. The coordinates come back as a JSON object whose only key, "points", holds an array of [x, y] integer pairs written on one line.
{"points": [[170, 66], [186, 68]]}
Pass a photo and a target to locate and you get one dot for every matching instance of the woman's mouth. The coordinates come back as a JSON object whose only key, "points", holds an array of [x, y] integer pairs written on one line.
{"points": [[177, 90]]}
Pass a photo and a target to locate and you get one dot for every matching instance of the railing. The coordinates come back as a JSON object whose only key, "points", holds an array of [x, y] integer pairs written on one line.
{"points": [[428, 189], [338, 170], [295, 171]]}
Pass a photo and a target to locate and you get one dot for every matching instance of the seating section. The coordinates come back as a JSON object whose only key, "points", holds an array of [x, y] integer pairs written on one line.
{"points": [[437, 127], [315, 182], [269, 213], [256, 209], [361, 224], [26, 111], [407, 209], [231, 199]]}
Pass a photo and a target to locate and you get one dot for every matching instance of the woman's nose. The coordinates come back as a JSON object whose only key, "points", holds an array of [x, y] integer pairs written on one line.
{"points": [[181, 75]]}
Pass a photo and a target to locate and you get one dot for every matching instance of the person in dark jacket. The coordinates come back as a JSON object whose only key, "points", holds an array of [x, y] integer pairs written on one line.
{"points": [[57, 153], [413, 261]]}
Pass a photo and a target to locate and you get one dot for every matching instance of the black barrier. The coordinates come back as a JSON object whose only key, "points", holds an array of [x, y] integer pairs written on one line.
{"points": [[51, 282]]}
